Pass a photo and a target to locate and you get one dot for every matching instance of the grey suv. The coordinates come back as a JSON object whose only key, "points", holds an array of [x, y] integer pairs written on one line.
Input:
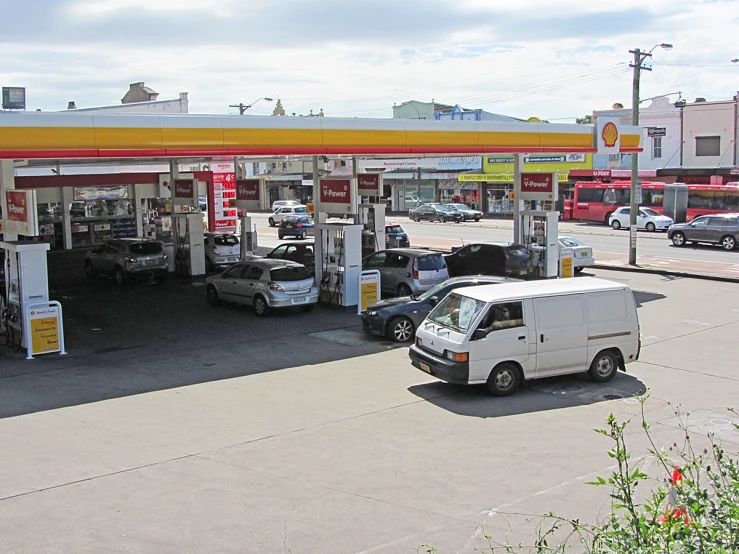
{"points": [[128, 258], [406, 271], [720, 229]]}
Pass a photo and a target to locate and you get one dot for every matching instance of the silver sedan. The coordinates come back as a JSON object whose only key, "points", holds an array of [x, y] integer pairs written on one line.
{"points": [[264, 284], [583, 255]]}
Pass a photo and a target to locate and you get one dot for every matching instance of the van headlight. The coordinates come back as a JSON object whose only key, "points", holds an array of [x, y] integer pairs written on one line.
{"points": [[456, 356]]}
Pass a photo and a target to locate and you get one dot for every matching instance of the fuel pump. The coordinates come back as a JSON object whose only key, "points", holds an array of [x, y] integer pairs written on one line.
{"points": [[26, 284], [248, 238], [539, 233], [338, 251], [188, 244], [372, 219]]}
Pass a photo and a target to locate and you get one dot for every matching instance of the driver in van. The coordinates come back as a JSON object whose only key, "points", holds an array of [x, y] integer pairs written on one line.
{"points": [[501, 317]]}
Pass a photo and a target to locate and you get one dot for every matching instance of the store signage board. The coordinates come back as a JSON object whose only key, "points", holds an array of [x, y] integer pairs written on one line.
{"points": [[247, 193], [539, 186], [369, 289], [14, 98], [22, 216], [336, 196], [369, 184], [608, 135], [656, 131], [185, 192], [88, 194]]}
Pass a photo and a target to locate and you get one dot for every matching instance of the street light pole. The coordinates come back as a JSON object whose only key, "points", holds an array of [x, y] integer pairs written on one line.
{"points": [[639, 58]]}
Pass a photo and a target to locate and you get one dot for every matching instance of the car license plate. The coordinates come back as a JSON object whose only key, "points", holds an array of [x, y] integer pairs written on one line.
{"points": [[288, 226], [425, 367], [524, 271], [299, 299], [150, 262], [232, 259], [583, 254]]}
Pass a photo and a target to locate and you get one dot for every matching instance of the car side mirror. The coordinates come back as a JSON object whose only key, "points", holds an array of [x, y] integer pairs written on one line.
{"points": [[479, 334], [434, 300]]}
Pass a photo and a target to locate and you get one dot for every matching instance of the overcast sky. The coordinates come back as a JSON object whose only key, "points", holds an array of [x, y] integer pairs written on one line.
{"points": [[554, 59]]}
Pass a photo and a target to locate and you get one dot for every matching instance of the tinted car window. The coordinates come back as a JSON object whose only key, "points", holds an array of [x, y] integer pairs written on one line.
{"points": [[394, 230], [296, 273], [396, 260], [429, 263], [718, 221], [234, 271], [253, 272], [301, 210], [517, 253], [225, 240], [306, 219], [145, 248], [290, 219]]}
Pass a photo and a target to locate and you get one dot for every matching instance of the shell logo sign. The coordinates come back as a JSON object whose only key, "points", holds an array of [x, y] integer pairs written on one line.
{"points": [[610, 134]]}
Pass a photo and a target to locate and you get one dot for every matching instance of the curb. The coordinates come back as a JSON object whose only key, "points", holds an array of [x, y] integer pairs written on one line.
{"points": [[669, 273]]}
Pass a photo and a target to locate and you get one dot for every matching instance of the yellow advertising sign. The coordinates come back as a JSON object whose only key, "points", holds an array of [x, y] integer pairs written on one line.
{"points": [[498, 177], [496, 164], [566, 269], [44, 325], [369, 289]]}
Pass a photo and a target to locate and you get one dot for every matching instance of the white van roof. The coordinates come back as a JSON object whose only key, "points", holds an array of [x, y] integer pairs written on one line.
{"points": [[527, 289]]}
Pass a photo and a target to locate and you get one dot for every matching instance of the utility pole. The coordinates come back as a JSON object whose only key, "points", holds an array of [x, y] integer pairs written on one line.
{"points": [[639, 58], [243, 107]]}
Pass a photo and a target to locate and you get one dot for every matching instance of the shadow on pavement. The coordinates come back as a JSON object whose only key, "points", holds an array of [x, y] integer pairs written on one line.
{"points": [[642, 297], [535, 396]]}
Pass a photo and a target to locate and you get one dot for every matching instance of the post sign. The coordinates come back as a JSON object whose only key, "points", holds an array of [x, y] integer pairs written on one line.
{"points": [[539, 186], [247, 193], [222, 214], [608, 135], [369, 289], [185, 192], [43, 324], [336, 196], [638, 192], [22, 216], [369, 184]]}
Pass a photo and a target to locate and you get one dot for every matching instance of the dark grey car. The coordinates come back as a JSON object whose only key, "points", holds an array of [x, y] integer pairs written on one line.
{"points": [[435, 212], [406, 271], [720, 229], [466, 211], [398, 318], [128, 258]]}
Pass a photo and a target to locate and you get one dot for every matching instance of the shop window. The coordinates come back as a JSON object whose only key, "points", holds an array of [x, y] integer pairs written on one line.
{"points": [[707, 146], [656, 148]]}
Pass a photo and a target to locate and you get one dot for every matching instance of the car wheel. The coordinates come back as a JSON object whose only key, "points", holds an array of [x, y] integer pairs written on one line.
{"points": [[650, 227], [120, 277], [303, 235], [401, 329], [404, 290], [308, 308], [616, 224], [271, 222], [416, 219], [604, 367], [678, 239], [579, 269], [261, 308], [504, 379], [442, 219], [89, 270], [211, 295], [477, 220], [607, 218], [728, 242]]}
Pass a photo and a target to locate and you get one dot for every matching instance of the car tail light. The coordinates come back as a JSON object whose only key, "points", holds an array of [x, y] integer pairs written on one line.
{"points": [[300, 225], [415, 268], [314, 285], [275, 287], [129, 260]]}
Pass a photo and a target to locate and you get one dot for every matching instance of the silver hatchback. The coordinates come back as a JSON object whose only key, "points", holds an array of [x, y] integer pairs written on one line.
{"points": [[125, 259], [265, 284], [406, 271]]}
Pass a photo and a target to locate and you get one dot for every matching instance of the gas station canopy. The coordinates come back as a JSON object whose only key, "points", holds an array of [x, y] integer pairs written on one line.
{"points": [[57, 135]]}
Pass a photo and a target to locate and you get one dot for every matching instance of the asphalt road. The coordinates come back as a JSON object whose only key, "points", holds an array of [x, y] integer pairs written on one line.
{"points": [[601, 238]]}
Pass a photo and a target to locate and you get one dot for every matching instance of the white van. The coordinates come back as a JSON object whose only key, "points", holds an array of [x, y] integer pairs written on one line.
{"points": [[500, 336]]}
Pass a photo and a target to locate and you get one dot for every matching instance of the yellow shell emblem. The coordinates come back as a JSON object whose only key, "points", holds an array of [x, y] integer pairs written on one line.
{"points": [[610, 134]]}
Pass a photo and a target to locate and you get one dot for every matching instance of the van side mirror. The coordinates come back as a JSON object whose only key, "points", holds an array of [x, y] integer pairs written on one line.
{"points": [[479, 334], [434, 300]]}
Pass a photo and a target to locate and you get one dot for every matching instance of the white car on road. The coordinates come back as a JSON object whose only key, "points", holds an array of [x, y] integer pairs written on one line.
{"points": [[276, 217], [647, 218], [583, 255]]}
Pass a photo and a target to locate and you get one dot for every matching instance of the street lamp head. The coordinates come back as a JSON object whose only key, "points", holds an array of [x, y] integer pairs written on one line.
{"points": [[735, 60], [666, 46], [268, 99]]}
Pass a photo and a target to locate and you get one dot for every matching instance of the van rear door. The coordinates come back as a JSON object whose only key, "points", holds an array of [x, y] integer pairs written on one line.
{"points": [[561, 335]]}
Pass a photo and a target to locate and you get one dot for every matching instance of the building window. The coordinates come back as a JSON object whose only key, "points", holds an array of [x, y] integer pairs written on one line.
{"points": [[656, 148], [707, 146]]}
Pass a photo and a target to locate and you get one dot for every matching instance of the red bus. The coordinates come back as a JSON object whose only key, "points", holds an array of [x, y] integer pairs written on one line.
{"points": [[596, 201]]}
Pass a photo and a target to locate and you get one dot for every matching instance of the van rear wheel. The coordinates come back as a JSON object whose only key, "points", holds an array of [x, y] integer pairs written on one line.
{"points": [[504, 379], [604, 367]]}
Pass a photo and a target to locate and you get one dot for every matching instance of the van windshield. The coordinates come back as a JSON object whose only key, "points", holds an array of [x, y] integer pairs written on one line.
{"points": [[457, 312]]}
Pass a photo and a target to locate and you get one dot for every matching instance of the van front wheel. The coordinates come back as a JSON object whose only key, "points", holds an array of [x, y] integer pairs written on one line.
{"points": [[604, 367], [504, 379]]}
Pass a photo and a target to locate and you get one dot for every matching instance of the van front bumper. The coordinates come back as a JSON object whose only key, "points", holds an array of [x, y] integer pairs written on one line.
{"points": [[457, 373]]}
